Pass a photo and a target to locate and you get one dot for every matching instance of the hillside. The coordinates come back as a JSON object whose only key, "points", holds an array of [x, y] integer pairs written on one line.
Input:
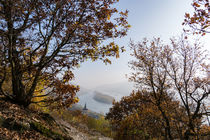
{"points": [[17, 123], [20, 123]]}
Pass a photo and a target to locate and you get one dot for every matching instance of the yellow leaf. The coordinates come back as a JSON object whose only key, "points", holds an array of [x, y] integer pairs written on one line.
{"points": [[108, 17]]}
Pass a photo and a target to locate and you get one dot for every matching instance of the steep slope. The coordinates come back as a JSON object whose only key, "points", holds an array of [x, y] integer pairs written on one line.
{"points": [[17, 123]]}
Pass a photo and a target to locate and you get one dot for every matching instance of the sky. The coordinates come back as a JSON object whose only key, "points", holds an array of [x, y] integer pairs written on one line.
{"points": [[148, 18]]}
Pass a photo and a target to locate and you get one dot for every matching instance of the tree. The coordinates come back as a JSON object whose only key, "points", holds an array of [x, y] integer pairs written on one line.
{"points": [[134, 117], [137, 117], [178, 70], [199, 21], [189, 68], [45, 40], [150, 75]]}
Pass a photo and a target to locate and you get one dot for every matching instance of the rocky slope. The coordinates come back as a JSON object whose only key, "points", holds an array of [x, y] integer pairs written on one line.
{"points": [[78, 134]]}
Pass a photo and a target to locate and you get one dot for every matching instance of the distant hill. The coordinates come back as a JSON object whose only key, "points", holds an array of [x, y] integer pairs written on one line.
{"points": [[83, 91], [117, 90]]}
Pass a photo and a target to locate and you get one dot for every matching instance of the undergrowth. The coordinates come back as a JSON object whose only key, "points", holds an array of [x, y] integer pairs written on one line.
{"points": [[77, 118]]}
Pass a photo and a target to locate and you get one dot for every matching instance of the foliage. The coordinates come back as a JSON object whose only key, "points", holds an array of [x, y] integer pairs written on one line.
{"points": [[178, 70], [205, 131], [199, 21], [39, 97], [42, 41], [100, 125], [137, 117]]}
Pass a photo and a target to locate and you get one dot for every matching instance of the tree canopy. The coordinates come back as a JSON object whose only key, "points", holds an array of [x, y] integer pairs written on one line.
{"points": [[137, 117], [199, 20], [44, 40]]}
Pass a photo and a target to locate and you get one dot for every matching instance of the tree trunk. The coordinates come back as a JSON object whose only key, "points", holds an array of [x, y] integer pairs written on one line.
{"points": [[167, 127], [187, 135], [19, 93]]}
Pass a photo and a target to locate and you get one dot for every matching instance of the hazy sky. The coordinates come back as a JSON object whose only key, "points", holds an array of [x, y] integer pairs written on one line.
{"points": [[148, 18]]}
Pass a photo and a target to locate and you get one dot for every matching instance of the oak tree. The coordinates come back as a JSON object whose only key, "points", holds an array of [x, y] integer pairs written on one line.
{"points": [[43, 40]]}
